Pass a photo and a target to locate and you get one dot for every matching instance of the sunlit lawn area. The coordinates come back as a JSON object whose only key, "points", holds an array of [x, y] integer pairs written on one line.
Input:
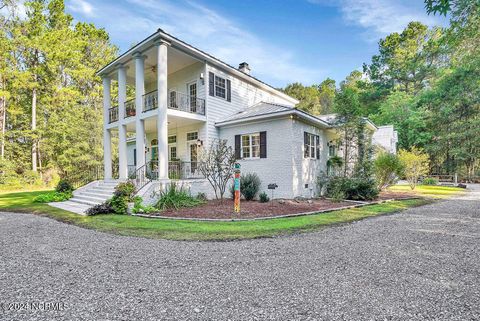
{"points": [[195, 230], [434, 191]]}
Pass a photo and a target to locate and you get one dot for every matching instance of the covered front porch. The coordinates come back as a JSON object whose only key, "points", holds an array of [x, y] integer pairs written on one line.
{"points": [[185, 139]]}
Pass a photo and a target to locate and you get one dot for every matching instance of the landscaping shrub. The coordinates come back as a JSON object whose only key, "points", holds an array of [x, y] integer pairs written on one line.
{"points": [[104, 208], [126, 189], [64, 186], [358, 189], [202, 196], [249, 186], [263, 197], [387, 167], [430, 181], [123, 195], [139, 208], [175, 198], [52, 197]]}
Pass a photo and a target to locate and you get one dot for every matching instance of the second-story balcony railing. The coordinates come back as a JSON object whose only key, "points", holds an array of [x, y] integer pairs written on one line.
{"points": [[113, 114], [176, 100], [183, 102], [150, 101], [130, 108]]}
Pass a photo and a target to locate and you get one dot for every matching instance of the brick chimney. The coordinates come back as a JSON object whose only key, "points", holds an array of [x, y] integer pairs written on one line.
{"points": [[244, 67]]}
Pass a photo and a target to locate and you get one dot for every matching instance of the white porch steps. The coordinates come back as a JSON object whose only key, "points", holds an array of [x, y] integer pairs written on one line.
{"points": [[93, 194]]}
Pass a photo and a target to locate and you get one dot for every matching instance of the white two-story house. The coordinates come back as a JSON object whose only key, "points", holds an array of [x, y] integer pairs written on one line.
{"points": [[175, 100]]}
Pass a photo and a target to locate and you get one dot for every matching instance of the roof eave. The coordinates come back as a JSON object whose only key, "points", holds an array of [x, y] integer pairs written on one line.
{"points": [[295, 112]]}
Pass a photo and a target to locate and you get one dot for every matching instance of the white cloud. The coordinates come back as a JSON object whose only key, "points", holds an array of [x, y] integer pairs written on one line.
{"points": [[81, 6], [382, 17], [209, 31]]}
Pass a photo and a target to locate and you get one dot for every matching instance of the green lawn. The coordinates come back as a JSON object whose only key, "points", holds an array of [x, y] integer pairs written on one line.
{"points": [[195, 230], [433, 191]]}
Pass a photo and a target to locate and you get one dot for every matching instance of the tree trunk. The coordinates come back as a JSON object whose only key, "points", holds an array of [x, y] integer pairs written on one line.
{"points": [[34, 127]]}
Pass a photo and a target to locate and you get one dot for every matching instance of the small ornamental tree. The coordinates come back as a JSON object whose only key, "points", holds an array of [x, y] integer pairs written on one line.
{"points": [[217, 165], [387, 167], [415, 163]]}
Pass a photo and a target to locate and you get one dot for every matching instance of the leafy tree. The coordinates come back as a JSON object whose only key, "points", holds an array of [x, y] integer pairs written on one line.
{"points": [[326, 95], [400, 109], [407, 60], [415, 163], [387, 167], [49, 92], [308, 97]]}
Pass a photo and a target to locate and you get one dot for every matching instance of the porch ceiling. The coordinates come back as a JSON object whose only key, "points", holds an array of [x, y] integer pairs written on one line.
{"points": [[173, 122], [176, 60]]}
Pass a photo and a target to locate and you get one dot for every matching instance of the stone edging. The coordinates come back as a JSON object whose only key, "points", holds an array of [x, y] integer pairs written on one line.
{"points": [[272, 217]]}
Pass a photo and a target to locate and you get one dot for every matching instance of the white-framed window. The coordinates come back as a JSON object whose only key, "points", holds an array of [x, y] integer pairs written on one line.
{"points": [[220, 87], [172, 139], [173, 152], [250, 146], [311, 146], [332, 150], [192, 136]]}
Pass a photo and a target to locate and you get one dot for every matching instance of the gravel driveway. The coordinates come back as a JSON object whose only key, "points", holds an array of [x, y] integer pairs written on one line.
{"points": [[421, 264]]}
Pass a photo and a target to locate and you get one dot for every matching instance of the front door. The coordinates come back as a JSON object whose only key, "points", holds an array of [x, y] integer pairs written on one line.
{"points": [[192, 96]]}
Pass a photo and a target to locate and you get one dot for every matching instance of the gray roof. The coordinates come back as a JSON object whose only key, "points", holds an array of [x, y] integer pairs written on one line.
{"points": [[259, 109]]}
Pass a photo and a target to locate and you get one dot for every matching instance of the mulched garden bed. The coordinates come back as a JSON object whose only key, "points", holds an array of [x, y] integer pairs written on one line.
{"points": [[216, 209]]}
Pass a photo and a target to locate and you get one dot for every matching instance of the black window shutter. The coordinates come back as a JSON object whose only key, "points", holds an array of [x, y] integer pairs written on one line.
{"points": [[229, 91], [135, 156], [317, 146], [263, 144], [237, 146], [305, 144], [211, 83]]}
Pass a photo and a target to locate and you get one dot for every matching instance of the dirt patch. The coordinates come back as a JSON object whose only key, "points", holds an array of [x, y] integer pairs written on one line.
{"points": [[388, 195], [253, 209]]}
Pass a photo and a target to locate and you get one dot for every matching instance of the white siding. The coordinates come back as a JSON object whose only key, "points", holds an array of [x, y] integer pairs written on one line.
{"points": [[243, 95], [277, 166], [306, 170]]}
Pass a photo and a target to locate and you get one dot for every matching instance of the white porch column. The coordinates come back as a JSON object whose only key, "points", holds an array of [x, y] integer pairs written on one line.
{"points": [[162, 87], [107, 139], [122, 131], [139, 92]]}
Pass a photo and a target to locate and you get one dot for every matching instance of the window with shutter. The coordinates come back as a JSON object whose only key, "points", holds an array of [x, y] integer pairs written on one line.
{"points": [[311, 144], [250, 146]]}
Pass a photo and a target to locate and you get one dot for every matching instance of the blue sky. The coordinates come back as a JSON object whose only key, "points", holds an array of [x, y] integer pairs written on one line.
{"points": [[283, 41]]}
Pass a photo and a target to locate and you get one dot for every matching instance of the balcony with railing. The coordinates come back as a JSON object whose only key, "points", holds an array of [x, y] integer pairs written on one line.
{"points": [[130, 110], [187, 103], [176, 101], [113, 114]]}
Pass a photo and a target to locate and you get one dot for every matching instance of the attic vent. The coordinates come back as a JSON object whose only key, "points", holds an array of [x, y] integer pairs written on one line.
{"points": [[244, 67]]}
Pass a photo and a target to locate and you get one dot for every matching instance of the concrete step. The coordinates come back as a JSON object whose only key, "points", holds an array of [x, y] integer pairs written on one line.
{"points": [[85, 201], [71, 207], [90, 198], [96, 193], [100, 190]]}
